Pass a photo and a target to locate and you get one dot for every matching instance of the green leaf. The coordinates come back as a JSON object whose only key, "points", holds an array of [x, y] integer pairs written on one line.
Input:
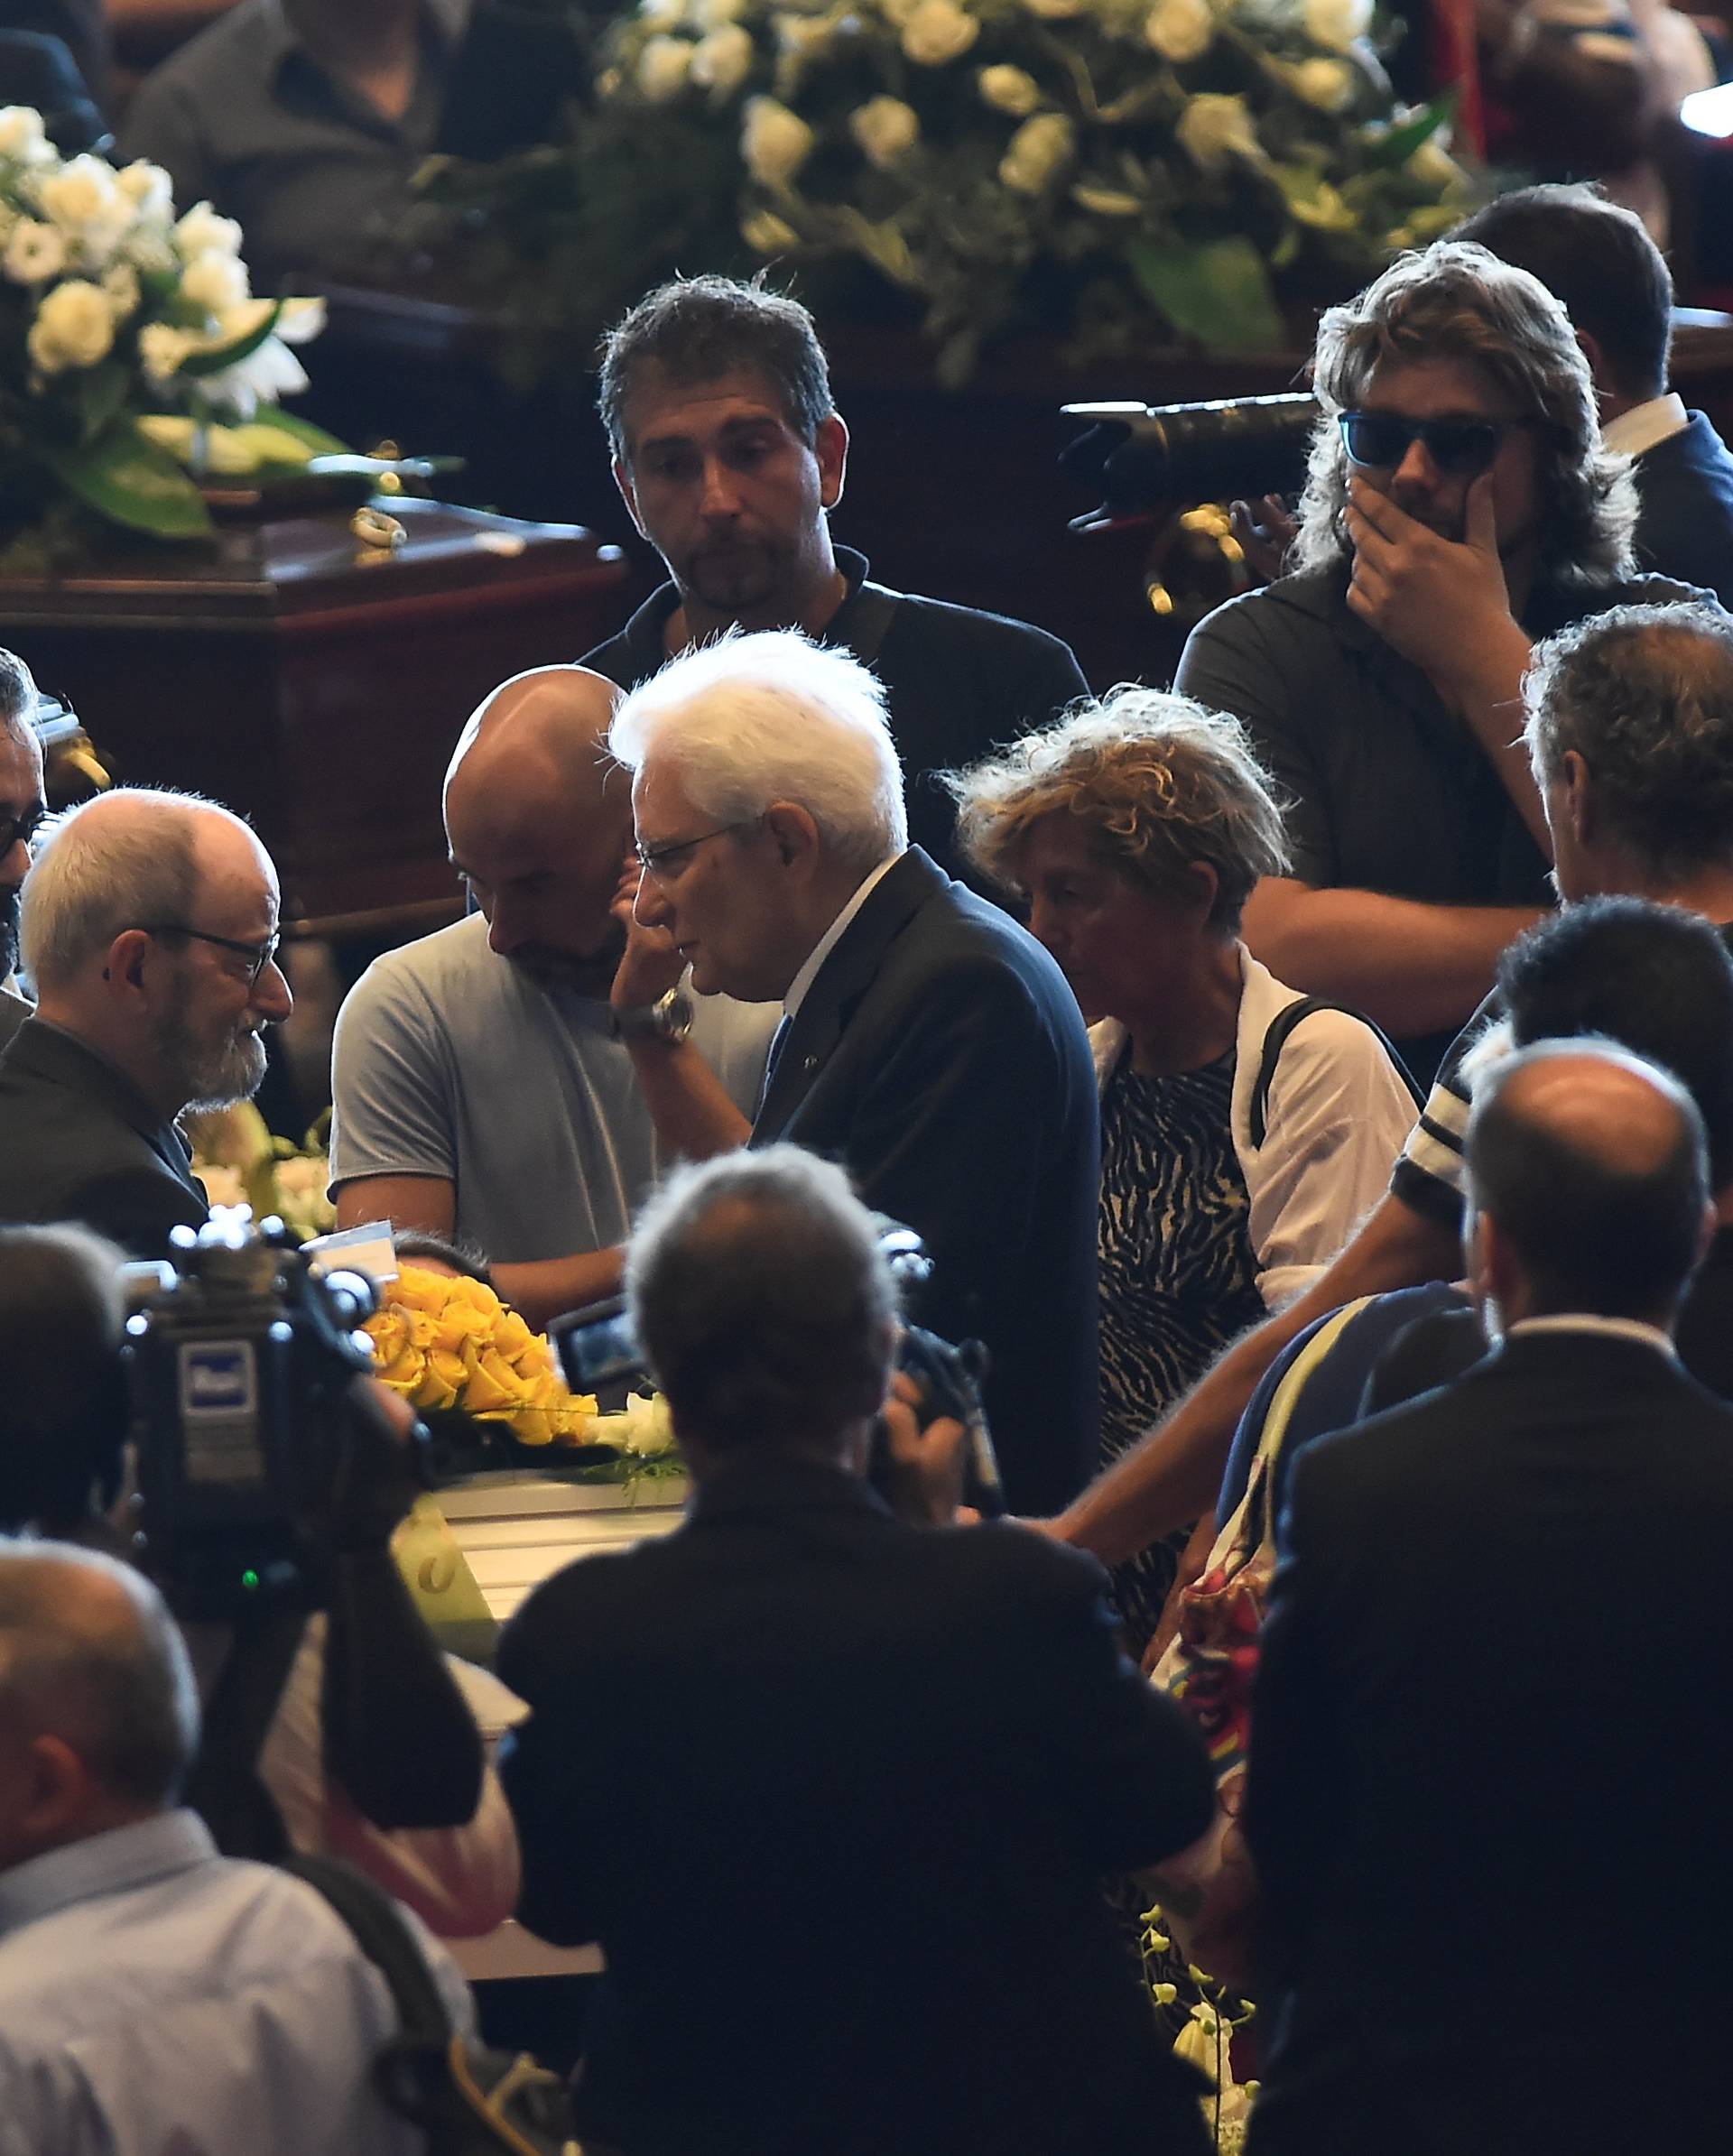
{"points": [[101, 391], [126, 478], [213, 361], [302, 431], [1219, 293], [1398, 143]]}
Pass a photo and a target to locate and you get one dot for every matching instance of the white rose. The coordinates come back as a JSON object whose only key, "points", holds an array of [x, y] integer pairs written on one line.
{"points": [[1055, 11], [147, 187], [21, 133], [664, 13], [35, 252], [1010, 89], [74, 327], [83, 194], [1037, 150], [1326, 83], [664, 65], [721, 61], [162, 347], [215, 281], [201, 231], [884, 127], [1215, 130], [767, 233], [300, 321], [1338, 22], [1180, 30], [774, 143], [120, 288], [937, 31]]}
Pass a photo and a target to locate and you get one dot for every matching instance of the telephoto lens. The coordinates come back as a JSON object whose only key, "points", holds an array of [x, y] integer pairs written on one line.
{"points": [[1152, 457]]}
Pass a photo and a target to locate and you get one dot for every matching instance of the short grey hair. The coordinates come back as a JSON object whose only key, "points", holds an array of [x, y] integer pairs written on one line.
{"points": [[747, 720], [1644, 695], [121, 1696], [1456, 302], [93, 874], [762, 1300], [18, 693]]}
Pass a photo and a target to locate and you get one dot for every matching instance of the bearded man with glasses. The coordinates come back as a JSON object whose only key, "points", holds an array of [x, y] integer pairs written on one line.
{"points": [[1460, 504], [149, 932]]}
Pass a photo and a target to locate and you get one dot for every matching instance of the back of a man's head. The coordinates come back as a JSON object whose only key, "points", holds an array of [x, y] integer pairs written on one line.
{"points": [[1644, 695], [762, 1304], [749, 720], [1651, 979], [95, 1690], [63, 1404], [1591, 1166], [700, 329], [1597, 256]]}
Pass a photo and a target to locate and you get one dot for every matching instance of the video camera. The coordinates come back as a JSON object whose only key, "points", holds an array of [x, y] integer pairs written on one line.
{"points": [[241, 1359], [1152, 457], [599, 1355]]}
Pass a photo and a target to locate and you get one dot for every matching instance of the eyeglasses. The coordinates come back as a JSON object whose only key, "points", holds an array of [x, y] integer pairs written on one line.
{"points": [[19, 830], [1461, 449], [659, 860], [258, 955]]}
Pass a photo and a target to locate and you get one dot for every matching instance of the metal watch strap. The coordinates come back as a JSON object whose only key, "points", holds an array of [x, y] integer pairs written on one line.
{"points": [[669, 1018]]}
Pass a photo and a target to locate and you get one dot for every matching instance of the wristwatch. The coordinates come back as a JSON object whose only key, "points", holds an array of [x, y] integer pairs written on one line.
{"points": [[669, 1018]]}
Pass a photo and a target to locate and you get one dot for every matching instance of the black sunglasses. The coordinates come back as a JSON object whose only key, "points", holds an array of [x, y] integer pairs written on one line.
{"points": [[1461, 449]]}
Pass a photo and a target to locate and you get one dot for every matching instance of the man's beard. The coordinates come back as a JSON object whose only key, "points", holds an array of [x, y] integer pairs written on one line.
{"points": [[591, 974], [8, 932], [208, 1074]]}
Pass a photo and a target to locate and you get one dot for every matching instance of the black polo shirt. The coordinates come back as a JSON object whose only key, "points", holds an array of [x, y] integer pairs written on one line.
{"points": [[958, 681], [1387, 791]]}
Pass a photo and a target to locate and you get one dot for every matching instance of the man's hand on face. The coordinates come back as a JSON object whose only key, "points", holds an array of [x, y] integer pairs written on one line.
{"points": [[1432, 599], [650, 965]]}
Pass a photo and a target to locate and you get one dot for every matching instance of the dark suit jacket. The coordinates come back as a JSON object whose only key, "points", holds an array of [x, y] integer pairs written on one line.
{"points": [[836, 1795], [1684, 526], [942, 1058], [1490, 1741], [79, 1143]]}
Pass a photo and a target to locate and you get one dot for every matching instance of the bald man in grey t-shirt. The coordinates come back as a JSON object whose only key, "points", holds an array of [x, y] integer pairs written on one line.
{"points": [[479, 1087]]}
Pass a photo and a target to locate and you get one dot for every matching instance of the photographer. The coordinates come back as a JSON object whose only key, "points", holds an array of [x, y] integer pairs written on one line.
{"points": [[835, 1792], [369, 1750]]}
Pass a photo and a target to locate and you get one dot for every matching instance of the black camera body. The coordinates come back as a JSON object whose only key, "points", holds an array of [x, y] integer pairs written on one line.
{"points": [[1145, 458], [240, 1357]]}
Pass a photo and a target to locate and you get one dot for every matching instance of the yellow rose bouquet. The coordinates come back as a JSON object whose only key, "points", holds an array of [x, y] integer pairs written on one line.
{"points": [[443, 1340]]}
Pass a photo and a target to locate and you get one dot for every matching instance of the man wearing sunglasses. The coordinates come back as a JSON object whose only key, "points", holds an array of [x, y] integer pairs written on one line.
{"points": [[21, 810], [1460, 502], [149, 931]]}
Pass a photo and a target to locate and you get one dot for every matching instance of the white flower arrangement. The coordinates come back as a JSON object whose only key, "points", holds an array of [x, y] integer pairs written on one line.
{"points": [[129, 334], [1050, 164]]}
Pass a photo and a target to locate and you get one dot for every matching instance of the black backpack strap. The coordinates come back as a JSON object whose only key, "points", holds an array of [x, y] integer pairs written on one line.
{"points": [[386, 1940], [871, 611], [1275, 1040]]}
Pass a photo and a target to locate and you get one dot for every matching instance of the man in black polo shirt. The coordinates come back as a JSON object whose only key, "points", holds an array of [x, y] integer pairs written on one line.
{"points": [[731, 455], [1460, 502]]}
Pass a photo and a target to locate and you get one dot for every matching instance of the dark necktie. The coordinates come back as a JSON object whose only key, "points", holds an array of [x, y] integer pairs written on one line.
{"points": [[778, 1041]]}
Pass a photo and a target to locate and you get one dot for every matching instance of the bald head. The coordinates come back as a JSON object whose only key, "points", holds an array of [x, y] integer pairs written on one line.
{"points": [[1588, 1168], [539, 820], [99, 1713]]}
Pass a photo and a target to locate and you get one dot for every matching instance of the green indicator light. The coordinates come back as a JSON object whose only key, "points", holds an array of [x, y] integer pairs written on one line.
{"points": [[249, 1579]]}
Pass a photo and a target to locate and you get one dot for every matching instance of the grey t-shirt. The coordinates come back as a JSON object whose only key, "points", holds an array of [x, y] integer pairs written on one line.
{"points": [[450, 1061]]}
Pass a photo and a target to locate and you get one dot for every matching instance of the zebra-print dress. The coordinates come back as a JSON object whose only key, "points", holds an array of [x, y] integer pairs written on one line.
{"points": [[1179, 1279]]}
